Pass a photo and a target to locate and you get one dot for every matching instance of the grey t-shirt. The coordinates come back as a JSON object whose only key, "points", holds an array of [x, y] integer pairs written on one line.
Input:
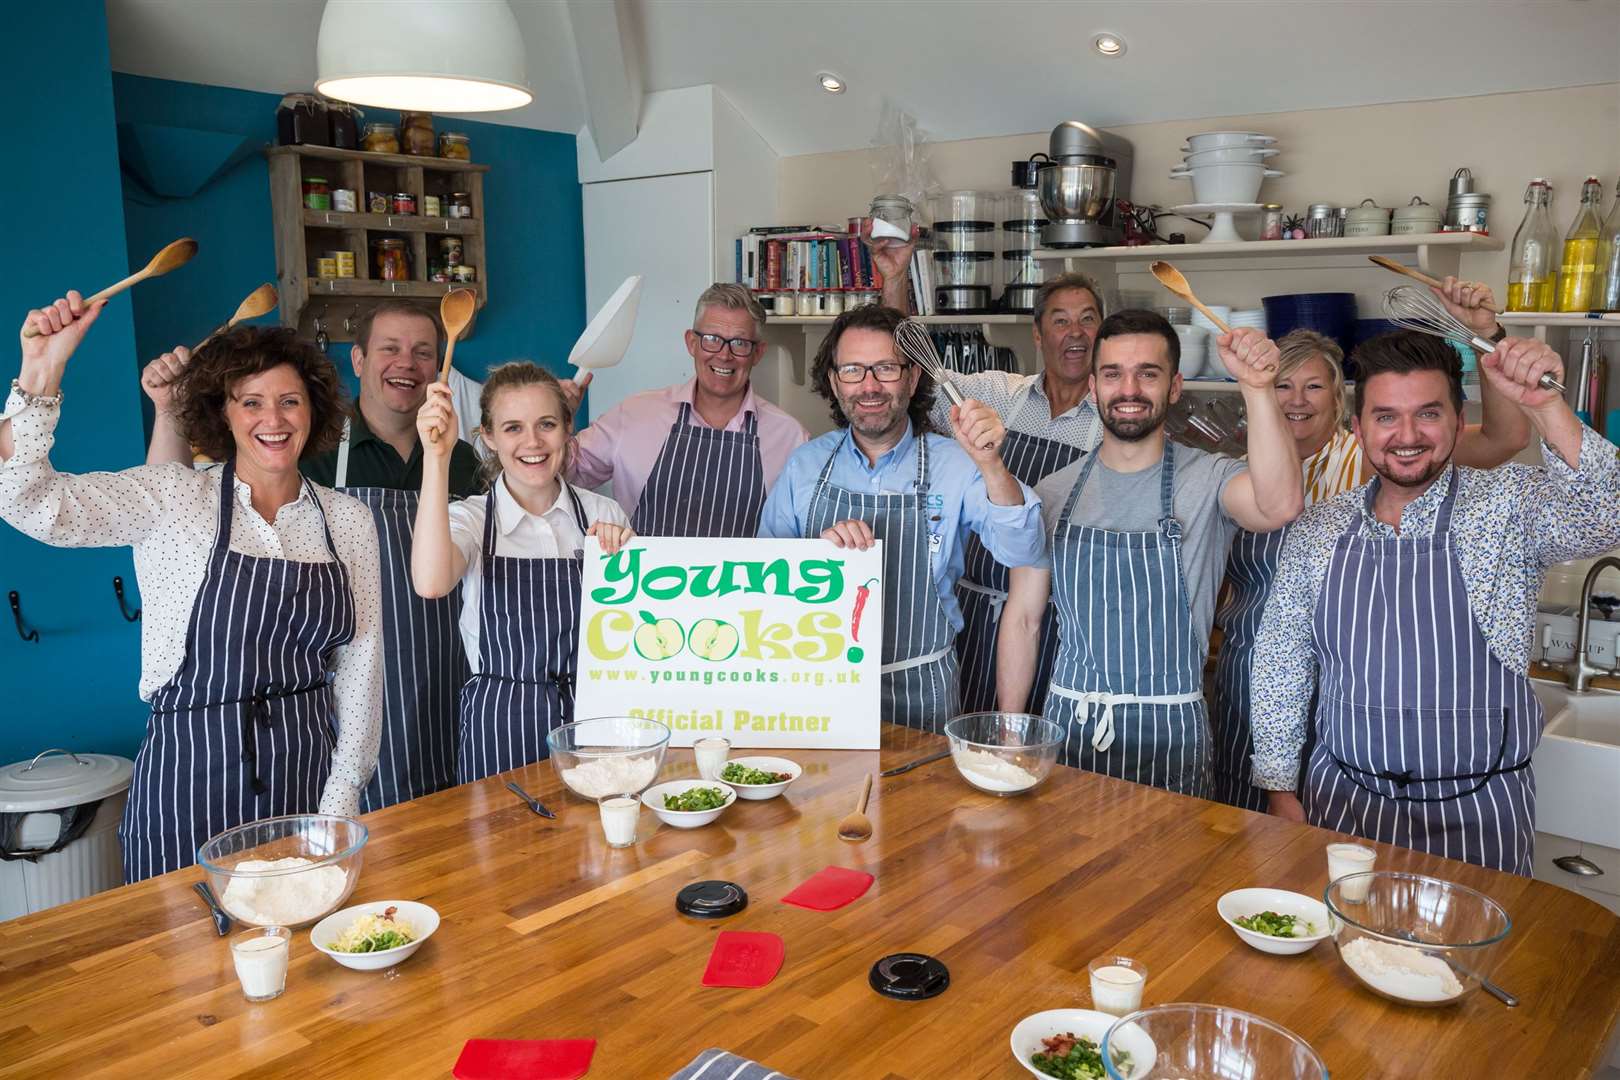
{"points": [[1129, 502]]}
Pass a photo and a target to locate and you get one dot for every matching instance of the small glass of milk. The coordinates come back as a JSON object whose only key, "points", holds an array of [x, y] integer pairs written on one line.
{"points": [[619, 816], [1116, 984], [261, 956], [711, 756], [1346, 859]]}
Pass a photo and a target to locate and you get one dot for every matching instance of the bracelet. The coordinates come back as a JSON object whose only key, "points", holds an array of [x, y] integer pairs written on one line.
{"points": [[1500, 335], [36, 400]]}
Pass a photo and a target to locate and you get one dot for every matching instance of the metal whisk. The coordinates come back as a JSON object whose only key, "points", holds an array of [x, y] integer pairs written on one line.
{"points": [[917, 345], [1418, 309]]}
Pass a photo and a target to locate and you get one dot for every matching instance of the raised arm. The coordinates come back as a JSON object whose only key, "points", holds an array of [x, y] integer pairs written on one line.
{"points": [[1270, 493], [167, 445], [1504, 429], [436, 563]]}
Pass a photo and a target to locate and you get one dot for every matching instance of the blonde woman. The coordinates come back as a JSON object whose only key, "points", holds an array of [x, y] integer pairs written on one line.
{"points": [[1310, 386], [517, 554]]}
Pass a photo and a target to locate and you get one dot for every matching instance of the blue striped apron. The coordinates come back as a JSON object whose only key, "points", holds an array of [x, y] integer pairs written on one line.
{"points": [[919, 665], [424, 664], [1128, 682], [716, 1064], [528, 637], [982, 589], [1425, 737], [1251, 567], [704, 483], [244, 729]]}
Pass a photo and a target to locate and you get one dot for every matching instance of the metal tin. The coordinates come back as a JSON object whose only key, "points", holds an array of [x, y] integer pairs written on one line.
{"points": [[1469, 213], [450, 250], [463, 273], [377, 202], [326, 268], [344, 201], [403, 203], [1368, 219], [430, 206], [1324, 220], [1415, 217]]}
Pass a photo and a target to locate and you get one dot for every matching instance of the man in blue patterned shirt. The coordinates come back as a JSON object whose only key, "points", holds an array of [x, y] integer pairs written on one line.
{"points": [[1409, 604]]}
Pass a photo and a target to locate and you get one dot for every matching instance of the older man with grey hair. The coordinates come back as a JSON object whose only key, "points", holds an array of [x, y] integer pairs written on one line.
{"points": [[695, 459]]}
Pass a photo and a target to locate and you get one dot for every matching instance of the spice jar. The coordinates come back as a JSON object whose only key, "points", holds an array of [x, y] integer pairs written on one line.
{"points": [[343, 120], [450, 250], [416, 133], [1271, 224], [455, 145], [317, 195], [403, 203], [381, 139], [392, 264], [891, 221], [377, 202], [458, 205], [805, 302]]}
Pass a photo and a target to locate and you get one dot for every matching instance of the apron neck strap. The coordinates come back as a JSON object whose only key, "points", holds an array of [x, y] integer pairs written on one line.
{"points": [[227, 501], [340, 476], [492, 512], [1167, 493], [1442, 516]]}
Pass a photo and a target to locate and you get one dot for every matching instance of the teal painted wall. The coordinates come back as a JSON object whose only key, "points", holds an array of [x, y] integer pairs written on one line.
{"points": [[76, 687]]}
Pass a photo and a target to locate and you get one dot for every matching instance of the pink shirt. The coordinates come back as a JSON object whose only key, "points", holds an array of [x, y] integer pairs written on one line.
{"points": [[623, 444]]}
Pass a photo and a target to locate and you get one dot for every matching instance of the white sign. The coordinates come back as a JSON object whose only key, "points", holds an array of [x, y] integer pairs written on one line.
{"points": [[770, 643]]}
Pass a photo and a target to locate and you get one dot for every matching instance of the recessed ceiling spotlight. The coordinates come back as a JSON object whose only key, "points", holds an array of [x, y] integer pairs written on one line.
{"points": [[1109, 44], [831, 83]]}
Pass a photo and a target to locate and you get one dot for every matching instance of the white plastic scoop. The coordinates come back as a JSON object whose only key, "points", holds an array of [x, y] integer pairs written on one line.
{"points": [[607, 338]]}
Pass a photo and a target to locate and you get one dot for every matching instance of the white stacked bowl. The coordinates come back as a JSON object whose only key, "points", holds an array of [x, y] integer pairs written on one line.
{"points": [[1252, 317], [1194, 350], [1226, 167]]}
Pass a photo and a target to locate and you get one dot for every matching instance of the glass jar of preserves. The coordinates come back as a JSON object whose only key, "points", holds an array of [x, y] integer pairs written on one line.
{"points": [[458, 204], [416, 133], [301, 121], [891, 221], [317, 193], [455, 145], [377, 202], [430, 206], [392, 262], [450, 250], [381, 139], [403, 203], [343, 120], [463, 273]]}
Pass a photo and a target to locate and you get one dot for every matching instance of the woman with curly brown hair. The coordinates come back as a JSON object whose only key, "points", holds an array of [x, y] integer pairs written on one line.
{"points": [[261, 647]]}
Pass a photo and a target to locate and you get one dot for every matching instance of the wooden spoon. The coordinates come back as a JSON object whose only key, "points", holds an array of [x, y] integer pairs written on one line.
{"points": [[171, 257], [1415, 275], [1172, 279], [258, 302], [456, 311], [858, 826]]}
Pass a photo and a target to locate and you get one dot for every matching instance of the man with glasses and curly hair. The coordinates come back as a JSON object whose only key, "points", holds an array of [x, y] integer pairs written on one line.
{"points": [[694, 459], [880, 475]]}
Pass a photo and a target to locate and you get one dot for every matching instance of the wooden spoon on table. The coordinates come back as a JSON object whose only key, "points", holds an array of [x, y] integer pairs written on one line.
{"points": [[1172, 279], [858, 826], [1415, 275], [456, 311], [258, 302], [171, 257]]}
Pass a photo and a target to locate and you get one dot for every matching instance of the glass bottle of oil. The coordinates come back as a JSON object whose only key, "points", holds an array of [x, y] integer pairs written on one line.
{"points": [[1532, 270], [1578, 273], [1606, 296]]}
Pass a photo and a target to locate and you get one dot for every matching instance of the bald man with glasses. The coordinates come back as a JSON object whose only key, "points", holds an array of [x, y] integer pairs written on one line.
{"points": [[695, 459], [881, 475]]}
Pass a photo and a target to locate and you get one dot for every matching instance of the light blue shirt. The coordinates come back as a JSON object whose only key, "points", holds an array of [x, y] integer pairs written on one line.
{"points": [[956, 494]]}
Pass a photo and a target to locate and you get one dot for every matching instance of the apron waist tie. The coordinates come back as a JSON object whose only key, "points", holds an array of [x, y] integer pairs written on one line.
{"points": [[257, 709], [998, 599], [1103, 737], [916, 661]]}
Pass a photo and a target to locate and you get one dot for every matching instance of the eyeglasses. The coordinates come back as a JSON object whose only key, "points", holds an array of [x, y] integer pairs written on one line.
{"points": [[739, 346], [886, 371]]}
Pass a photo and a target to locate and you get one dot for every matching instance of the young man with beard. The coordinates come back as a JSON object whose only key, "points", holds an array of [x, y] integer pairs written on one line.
{"points": [[1408, 606], [379, 462], [1139, 536], [880, 475], [694, 459]]}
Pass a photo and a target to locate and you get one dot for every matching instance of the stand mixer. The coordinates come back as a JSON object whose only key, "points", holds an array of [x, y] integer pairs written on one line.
{"points": [[1090, 170]]}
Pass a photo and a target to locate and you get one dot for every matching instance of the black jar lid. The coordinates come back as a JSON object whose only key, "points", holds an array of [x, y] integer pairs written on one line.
{"points": [[711, 899], [909, 977]]}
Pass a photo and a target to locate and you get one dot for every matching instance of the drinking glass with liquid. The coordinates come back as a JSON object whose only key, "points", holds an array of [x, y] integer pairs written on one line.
{"points": [[711, 754], [261, 956], [1117, 983], [620, 815], [1346, 859]]}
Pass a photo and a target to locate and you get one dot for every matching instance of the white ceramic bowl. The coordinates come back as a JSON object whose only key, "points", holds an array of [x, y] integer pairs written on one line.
{"points": [[1252, 317], [1228, 183], [1242, 903], [1194, 350], [769, 764], [1221, 311], [421, 918], [653, 799], [1222, 155], [1088, 1024], [1209, 140]]}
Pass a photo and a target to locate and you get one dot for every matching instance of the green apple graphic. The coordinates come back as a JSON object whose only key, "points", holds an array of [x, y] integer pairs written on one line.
{"points": [[712, 639], [658, 639]]}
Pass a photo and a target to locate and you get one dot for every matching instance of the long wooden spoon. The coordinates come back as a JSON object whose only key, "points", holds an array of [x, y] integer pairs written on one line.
{"points": [[1172, 279], [171, 257], [858, 826], [456, 311], [1415, 275], [258, 302]]}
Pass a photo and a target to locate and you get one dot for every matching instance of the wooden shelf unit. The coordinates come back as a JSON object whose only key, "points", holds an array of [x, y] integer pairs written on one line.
{"points": [[303, 235]]}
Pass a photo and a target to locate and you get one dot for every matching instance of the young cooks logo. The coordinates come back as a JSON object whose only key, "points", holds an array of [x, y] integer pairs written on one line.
{"points": [[638, 606]]}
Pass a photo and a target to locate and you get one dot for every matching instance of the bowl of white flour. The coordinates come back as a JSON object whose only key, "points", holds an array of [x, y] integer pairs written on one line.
{"points": [[284, 871], [1003, 753], [1414, 939], [608, 755]]}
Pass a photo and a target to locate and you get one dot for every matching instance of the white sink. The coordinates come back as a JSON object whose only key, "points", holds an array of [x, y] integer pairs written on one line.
{"points": [[1578, 765]]}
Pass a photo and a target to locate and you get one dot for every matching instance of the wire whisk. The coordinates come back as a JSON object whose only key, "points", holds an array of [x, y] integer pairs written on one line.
{"points": [[1418, 309], [916, 344]]}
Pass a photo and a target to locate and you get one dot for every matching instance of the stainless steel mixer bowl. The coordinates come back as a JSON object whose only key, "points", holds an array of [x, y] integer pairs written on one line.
{"points": [[1075, 192]]}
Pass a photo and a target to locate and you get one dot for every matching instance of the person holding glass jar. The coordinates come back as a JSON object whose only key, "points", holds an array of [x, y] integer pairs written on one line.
{"points": [[697, 458]]}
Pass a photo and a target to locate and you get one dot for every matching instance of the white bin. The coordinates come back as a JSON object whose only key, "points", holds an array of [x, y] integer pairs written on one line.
{"points": [[30, 791]]}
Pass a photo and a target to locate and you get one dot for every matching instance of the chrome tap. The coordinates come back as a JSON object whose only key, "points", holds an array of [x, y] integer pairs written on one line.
{"points": [[1580, 670]]}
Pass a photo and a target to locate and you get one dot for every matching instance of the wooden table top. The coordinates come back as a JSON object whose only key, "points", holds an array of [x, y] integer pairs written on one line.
{"points": [[548, 933]]}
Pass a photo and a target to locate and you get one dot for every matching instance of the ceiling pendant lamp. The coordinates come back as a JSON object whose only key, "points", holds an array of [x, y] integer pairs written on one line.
{"points": [[451, 56]]}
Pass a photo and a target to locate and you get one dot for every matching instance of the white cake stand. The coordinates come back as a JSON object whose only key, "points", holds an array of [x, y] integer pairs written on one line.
{"points": [[1224, 228]]}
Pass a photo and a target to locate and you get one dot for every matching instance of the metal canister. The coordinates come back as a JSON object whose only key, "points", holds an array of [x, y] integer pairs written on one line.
{"points": [[326, 268], [1415, 217], [1469, 213], [1324, 220], [1368, 219], [430, 206], [403, 203], [344, 201], [450, 251], [377, 202], [344, 261], [463, 273]]}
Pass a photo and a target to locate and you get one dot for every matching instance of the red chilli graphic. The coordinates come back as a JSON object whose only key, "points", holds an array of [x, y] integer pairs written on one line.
{"points": [[862, 594]]}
